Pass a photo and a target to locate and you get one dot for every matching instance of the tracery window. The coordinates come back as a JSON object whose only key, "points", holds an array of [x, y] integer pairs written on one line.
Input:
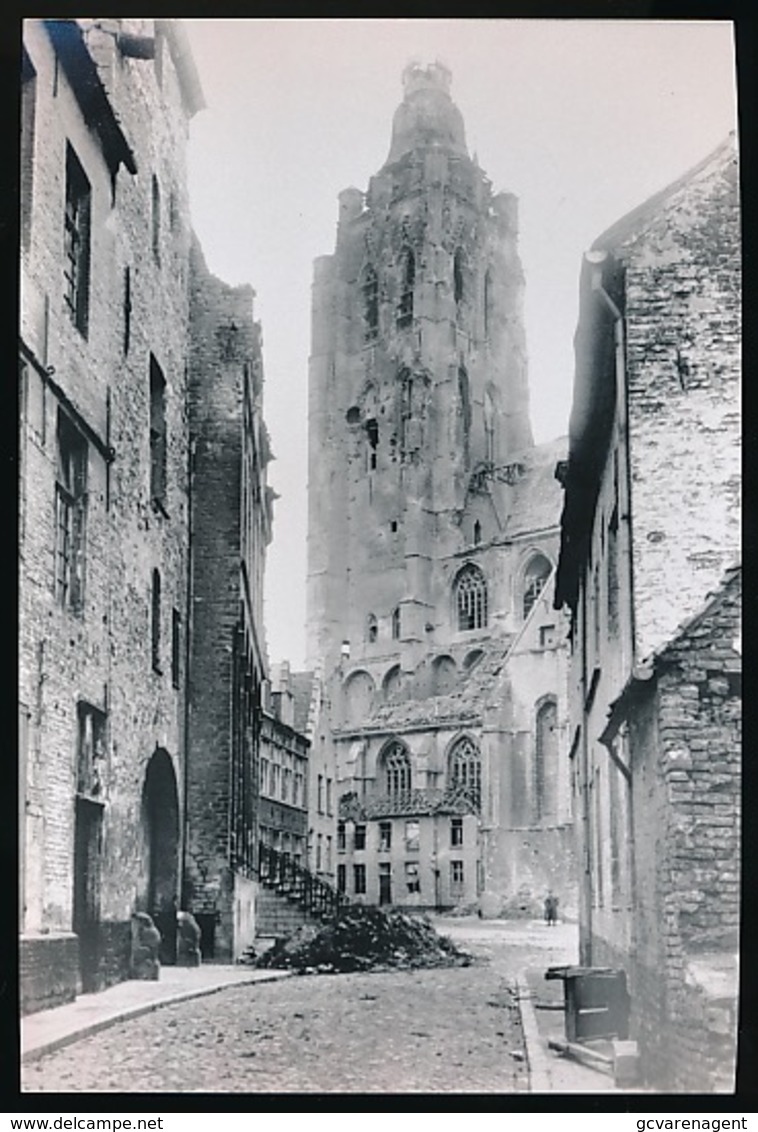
{"points": [[465, 769], [396, 765], [471, 598]]}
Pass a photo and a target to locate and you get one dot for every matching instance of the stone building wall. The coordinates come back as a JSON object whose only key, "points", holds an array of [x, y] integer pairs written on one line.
{"points": [[100, 655], [683, 359], [684, 740], [230, 530]]}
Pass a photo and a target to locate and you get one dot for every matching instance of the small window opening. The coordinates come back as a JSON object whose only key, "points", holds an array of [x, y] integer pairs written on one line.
{"points": [[372, 628], [458, 276], [396, 624], [477, 532], [176, 642], [158, 453], [127, 309], [456, 833], [385, 836], [359, 837], [156, 220], [155, 621]]}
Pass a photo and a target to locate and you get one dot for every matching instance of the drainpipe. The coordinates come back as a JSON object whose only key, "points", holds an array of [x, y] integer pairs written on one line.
{"points": [[187, 671]]}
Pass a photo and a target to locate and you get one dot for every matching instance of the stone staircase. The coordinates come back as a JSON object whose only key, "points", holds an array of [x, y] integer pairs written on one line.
{"points": [[290, 896]]}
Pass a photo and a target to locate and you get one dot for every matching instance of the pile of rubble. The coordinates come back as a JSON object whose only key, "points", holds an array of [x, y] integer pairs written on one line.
{"points": [[363, 938]]}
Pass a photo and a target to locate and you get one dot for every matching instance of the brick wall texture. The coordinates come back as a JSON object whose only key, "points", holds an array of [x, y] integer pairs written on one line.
{"points": [[685, 750]]}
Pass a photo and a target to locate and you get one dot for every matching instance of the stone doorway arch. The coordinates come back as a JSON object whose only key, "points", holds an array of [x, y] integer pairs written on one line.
{"points": [[160, 823]]}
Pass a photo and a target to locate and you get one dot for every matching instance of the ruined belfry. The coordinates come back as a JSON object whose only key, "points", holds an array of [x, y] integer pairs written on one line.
{"points": [[433, 523]]}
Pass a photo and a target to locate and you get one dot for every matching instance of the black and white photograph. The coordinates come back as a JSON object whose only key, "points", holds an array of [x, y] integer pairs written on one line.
{"points": [[379, 557]]}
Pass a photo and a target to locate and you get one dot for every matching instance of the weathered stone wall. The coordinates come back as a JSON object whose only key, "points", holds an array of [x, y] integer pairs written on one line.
{"points": [[685, 749], [683, 374], [228, 544], [102, 655]]}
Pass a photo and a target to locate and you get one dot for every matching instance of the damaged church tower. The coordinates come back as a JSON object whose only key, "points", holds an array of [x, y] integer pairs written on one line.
{"points": [[418, 374], [420, 452]]}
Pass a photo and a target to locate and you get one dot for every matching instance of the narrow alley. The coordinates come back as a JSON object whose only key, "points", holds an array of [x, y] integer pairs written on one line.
{"points": [[452, 1030]]}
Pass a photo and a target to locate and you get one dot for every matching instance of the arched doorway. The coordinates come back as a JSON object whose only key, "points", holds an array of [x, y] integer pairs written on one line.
{"points": [[160, 822]]}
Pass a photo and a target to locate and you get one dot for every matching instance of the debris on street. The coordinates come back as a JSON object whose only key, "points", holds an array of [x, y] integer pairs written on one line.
{"points": [[362, 938]]}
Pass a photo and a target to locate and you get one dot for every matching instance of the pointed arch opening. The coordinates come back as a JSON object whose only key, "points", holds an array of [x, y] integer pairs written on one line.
{"points": [[536, 574], [395, 774], [465, 769], [471, 598], [160, 826]]}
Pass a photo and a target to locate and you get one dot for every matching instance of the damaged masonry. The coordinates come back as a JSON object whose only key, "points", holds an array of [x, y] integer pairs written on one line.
{"points": [[521, 701]]}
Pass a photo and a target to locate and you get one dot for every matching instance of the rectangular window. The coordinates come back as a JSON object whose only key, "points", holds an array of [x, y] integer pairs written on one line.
{"points": [[157, 435], [412, 836], [127, 309], [287, 785], [456, 832], [319, 852], [77, 240], [70, 514], [321, 793], [341, 837], [412, 880], [456, 878], [359, 837], [155, 621], [176, 647], [547, 636], [264, 777], [329, 796], [341, 878], [275, 779], [156, 220], [328, 853], [385, 836], [359, 880]]}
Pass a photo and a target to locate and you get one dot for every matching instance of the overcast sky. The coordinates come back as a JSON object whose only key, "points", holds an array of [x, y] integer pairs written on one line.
{"points": [[581, 119]]}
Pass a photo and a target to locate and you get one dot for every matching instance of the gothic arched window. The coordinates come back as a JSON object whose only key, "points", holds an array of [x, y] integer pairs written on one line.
{"points": [[536, 574], [359, 691], [408, 281], [372, 628], [396, 768], [477, 532], [370, 288], [471, 598], [465, 769], [546, 760]]}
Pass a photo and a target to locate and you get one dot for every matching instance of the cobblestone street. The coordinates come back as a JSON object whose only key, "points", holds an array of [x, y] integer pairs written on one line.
{"points": [[445, 1030]]}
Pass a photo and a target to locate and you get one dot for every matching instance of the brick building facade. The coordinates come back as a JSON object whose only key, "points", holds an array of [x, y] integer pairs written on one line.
{"points": [[650, 527], [230, 526], [140, 394], [433, 525], [103, 491]]}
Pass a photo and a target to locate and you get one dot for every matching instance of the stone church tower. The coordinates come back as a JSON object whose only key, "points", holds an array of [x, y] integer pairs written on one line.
{"points": [[420, 460]]}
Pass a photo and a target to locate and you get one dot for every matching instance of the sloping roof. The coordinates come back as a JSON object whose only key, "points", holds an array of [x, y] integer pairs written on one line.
{"points": [[634, 224], [410, 803], [301, 687], [536, 498], [463, 705]]}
